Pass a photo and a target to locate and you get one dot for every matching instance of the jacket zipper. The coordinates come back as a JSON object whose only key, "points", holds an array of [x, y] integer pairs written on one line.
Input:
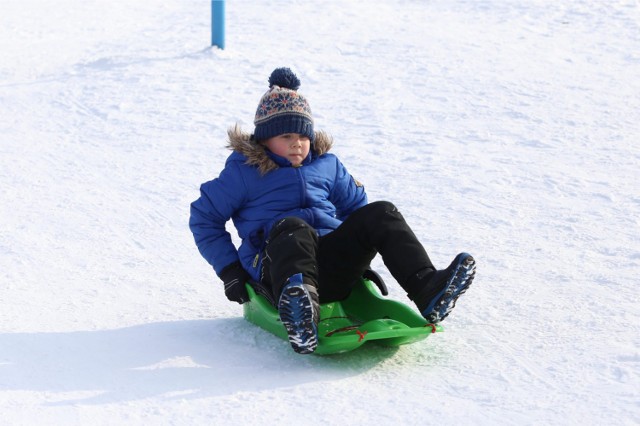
{"points": [[303, 189]]}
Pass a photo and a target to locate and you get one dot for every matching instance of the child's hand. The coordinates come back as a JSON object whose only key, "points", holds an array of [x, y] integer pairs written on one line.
{"points": [[234, 277]]}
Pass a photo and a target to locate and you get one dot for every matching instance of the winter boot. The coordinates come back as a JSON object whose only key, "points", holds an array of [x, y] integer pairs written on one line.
{"points": [[442, 289], [299, 311]]}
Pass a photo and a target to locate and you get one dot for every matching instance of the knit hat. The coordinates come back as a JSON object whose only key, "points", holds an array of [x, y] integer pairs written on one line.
{"points": [[282, 109]]}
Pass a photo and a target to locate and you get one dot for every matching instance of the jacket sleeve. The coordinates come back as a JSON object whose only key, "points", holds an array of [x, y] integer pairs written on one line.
{"points": [[348, 195], [219, 200]]}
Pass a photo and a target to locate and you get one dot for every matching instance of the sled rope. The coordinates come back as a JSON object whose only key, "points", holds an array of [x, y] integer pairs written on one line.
{"points": [[343, 329], [336, 317], [433, 327], [361, 334]]}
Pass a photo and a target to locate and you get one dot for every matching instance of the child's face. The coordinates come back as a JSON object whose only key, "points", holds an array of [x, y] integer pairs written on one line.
{"points": [[292, 146]]}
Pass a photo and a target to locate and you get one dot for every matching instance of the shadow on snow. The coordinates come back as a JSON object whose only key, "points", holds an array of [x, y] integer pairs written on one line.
{"points": [[175, 360]]}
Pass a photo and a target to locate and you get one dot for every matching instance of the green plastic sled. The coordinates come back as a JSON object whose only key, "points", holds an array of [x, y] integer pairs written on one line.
{"points": [[346, 325]]}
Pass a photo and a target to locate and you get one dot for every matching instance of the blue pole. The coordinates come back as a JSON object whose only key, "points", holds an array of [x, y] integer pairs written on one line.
{"points": [[217, 23]]}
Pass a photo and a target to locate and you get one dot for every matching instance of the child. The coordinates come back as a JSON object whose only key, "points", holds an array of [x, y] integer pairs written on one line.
{"points": [[308, 233]]}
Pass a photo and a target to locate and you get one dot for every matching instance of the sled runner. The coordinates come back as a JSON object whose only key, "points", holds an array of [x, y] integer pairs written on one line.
{"points": [[348, 324]]}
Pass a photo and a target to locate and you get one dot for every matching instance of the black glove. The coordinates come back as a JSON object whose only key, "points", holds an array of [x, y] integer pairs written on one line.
{"points": [[234, 277]]}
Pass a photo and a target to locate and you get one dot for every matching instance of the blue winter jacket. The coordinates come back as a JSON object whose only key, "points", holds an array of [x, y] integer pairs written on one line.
{"points": [[256, 188]]}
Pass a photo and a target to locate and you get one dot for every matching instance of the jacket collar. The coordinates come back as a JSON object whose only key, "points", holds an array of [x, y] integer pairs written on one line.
{"points": [[256, 154]]}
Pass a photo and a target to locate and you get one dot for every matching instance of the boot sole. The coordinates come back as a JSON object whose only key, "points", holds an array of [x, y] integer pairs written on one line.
{"points": [[459, 282], [296, 313]]}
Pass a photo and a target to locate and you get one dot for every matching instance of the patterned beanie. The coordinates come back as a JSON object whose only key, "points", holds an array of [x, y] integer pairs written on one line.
{"points": [[282, 109]]}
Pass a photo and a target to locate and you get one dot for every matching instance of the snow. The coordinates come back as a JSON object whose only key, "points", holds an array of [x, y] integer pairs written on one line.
{"points": [[504, 128]]}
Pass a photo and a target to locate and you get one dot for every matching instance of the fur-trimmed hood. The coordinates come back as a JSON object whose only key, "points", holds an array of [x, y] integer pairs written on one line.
{"points": [[242, 142]]}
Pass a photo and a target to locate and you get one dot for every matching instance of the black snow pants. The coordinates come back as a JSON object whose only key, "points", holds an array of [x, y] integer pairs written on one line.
{"points": [[335, 262]]}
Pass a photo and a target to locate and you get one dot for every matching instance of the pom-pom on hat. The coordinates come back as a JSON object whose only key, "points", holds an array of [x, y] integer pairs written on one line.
{"points": [[282, 109]]}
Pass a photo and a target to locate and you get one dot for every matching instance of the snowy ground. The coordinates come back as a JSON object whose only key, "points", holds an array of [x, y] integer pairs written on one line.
{"points": [[505, 128]]}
